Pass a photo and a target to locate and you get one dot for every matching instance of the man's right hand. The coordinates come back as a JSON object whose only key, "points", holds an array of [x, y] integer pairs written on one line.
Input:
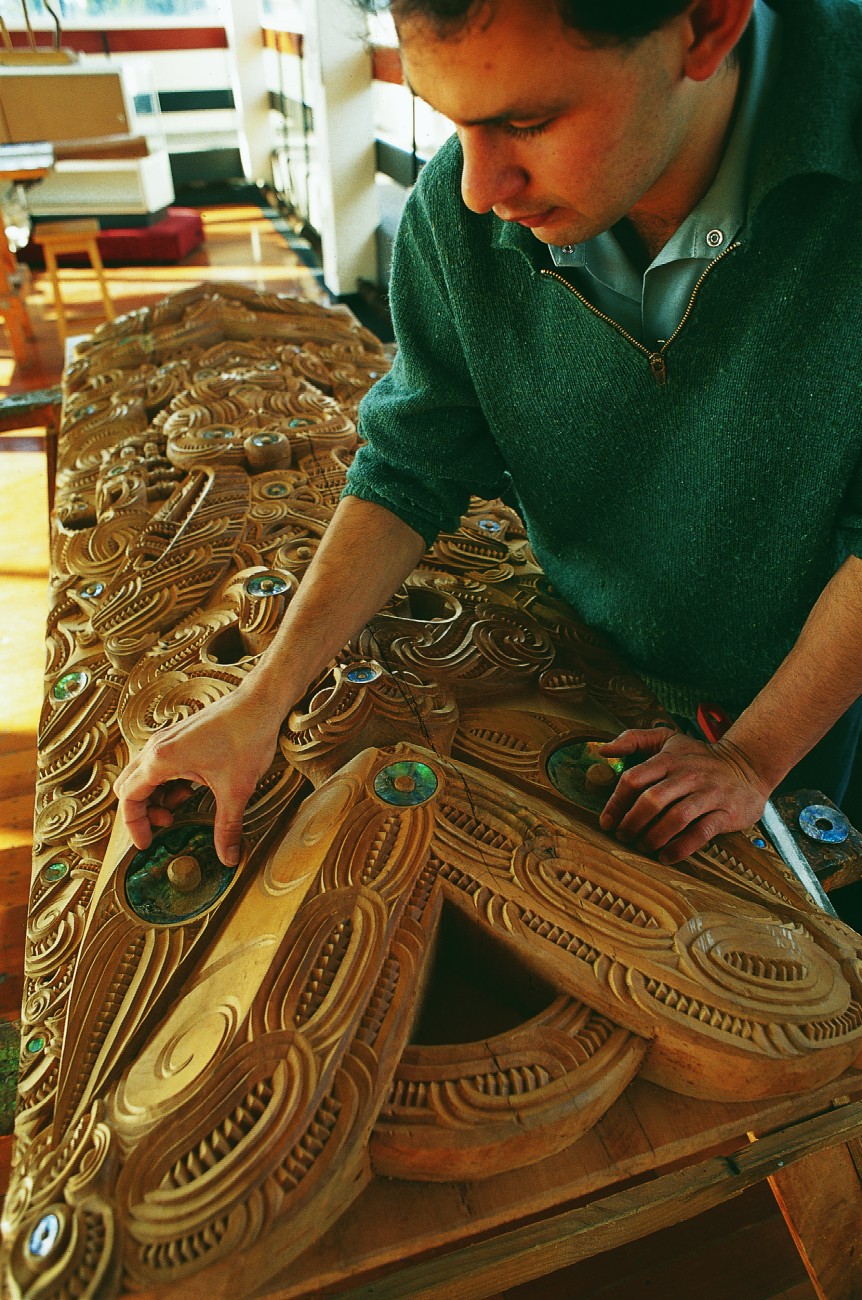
{"points": [[227, 746], [364, 557]]}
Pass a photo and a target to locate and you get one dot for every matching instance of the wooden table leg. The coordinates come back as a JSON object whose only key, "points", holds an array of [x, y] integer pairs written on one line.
{"points": [[26, 410], [59, 305], [52, 433], [821, 1199], [96, 262], [13, 310]]}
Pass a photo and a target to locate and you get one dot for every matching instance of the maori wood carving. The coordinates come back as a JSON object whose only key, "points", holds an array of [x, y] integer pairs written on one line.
{"points": [[430, 963]]}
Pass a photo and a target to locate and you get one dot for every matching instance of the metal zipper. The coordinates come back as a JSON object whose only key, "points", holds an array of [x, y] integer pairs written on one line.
{"points": [[656, 358]]}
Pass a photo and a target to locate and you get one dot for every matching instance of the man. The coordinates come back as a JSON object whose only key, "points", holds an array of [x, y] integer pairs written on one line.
{"points": [[691, 476]]}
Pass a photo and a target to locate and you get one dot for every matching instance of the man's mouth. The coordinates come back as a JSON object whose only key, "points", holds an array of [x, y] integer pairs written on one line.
{"points": [[530, 219]]}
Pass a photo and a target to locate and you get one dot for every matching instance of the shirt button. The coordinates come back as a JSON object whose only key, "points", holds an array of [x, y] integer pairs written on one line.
{"points": [[568, 248], [715, 238]]}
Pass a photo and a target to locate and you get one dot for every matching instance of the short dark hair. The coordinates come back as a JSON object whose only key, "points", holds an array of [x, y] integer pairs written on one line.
{"points": [[603, 21]]}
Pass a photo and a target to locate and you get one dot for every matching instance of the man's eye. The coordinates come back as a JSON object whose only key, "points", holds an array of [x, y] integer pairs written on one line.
{"points": [[524, 132]]}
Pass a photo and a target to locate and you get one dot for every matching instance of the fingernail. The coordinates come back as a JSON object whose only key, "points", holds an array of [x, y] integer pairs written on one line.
{"points": [[664, 859], [231, 856], [605, 821]]}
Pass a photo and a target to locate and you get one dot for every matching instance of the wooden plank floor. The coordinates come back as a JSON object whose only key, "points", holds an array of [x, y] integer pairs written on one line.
{"points": [[739, 1251]]}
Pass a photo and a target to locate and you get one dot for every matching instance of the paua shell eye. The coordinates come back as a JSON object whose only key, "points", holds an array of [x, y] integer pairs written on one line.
{"points": [[177, 878], [582, 775], [406, 784], [266, 584], [70, 685]]}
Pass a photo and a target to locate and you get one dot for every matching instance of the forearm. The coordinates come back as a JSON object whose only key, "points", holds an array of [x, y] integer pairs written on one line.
{"points": [[365, 555], [817, 682]]}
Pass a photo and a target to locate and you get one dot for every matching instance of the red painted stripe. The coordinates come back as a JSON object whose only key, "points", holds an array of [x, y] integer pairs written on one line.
{"points": [[386, 63], [169, 38], [124, 41], [83, 42]]}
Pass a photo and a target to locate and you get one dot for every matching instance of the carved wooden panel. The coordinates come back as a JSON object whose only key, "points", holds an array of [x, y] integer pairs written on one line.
{"points": [[430, 962]]}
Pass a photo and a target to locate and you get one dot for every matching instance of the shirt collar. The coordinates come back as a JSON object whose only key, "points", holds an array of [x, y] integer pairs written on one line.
{"points": [[809, 122]]}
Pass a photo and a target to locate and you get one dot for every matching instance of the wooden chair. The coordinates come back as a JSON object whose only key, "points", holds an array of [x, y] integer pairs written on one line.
{"points": [[16, 322], [41, 407], [14, 284], [59, 237]]}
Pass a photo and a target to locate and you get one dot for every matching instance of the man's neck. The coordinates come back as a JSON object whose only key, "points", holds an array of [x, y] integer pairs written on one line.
{"points": [[651, 224]]}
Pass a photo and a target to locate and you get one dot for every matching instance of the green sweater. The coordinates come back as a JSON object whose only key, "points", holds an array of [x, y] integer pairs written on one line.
{"points": [[694, 520]]}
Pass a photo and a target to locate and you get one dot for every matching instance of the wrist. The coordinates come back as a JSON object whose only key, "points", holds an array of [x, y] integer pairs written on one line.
{"points": [[755, 763], [269, 694]]}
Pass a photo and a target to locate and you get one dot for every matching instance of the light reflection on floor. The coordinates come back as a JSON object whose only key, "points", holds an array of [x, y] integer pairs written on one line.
{"points": [[241, 246]]}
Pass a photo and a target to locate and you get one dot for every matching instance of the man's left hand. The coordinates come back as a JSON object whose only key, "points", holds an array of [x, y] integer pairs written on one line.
{"points": [[682, 795]]}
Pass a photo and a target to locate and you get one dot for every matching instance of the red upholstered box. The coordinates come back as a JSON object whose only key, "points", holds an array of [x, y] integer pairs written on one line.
{"points": [[179, 233], [169, 240]]}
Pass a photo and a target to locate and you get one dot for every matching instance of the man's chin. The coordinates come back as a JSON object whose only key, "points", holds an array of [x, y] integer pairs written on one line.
{"points": [[552, 228]]}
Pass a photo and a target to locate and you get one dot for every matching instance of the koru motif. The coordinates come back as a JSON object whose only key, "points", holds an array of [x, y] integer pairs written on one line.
{"points": [[430, 963]]}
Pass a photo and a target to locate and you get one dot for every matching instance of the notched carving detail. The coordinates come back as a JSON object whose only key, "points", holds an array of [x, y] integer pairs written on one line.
{"points": [[430, 962]]}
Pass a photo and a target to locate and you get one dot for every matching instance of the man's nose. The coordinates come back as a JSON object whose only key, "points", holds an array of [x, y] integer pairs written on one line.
{"points": [[490, 177]]}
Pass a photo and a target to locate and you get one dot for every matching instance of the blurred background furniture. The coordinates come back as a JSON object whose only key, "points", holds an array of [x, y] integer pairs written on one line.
{"points": [[59, 237]]}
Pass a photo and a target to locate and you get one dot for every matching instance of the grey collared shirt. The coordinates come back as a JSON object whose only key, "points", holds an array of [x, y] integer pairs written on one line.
{"points": [[650, 304]]}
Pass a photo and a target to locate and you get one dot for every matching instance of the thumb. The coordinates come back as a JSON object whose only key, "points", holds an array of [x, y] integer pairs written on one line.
{"points": [[647, 741], [227, 829]]}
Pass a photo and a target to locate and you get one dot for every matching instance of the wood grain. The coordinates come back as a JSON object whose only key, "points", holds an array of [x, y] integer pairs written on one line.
{"points": [[821, 1198], [430, 963], [522, 1254]]}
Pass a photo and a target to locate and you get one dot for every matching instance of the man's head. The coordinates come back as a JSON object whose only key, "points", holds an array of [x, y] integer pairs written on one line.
{"points": [[604, 21], [566, 130]]}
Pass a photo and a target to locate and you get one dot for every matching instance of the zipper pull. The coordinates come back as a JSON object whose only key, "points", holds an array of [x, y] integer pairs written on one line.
{"points": [[658, 367]]}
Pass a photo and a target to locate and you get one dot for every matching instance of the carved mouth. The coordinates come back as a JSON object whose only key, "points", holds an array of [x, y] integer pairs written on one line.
{"points": [[695, 1009]]}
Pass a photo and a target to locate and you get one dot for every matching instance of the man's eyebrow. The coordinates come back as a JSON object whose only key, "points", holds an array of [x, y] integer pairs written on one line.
{"points": [[516, 113]]}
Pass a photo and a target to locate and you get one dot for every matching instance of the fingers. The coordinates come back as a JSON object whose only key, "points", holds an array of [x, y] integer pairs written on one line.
{"points": [[681, 798], [628, 790], [149, 790], [135, 814], [165, 800], [663, 827], [227, 831], [669, 805], [227, 747], [174, 793], [648, 740], [696, 836], [231, 802]]}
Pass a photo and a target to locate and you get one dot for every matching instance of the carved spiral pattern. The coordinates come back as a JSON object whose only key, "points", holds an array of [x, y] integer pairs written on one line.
{"points": [[206, 1067]]}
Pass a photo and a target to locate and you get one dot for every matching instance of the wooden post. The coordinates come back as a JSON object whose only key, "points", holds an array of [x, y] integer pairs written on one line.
{"points": [[339, 59]]}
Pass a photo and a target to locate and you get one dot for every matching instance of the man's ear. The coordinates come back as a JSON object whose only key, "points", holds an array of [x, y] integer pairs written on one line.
{"points": [[713, 28]]}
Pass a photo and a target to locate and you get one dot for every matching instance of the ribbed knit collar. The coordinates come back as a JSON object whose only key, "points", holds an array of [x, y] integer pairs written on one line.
{"points": [[809, 118], [809, 121]]}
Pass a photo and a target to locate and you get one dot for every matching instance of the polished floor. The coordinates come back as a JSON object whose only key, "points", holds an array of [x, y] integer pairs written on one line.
{"points": [[742, 1250], [240, 244]]}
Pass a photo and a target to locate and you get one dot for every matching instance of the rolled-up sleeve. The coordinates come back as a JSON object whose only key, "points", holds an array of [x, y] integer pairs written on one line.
{"points": [[426, 444]]}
